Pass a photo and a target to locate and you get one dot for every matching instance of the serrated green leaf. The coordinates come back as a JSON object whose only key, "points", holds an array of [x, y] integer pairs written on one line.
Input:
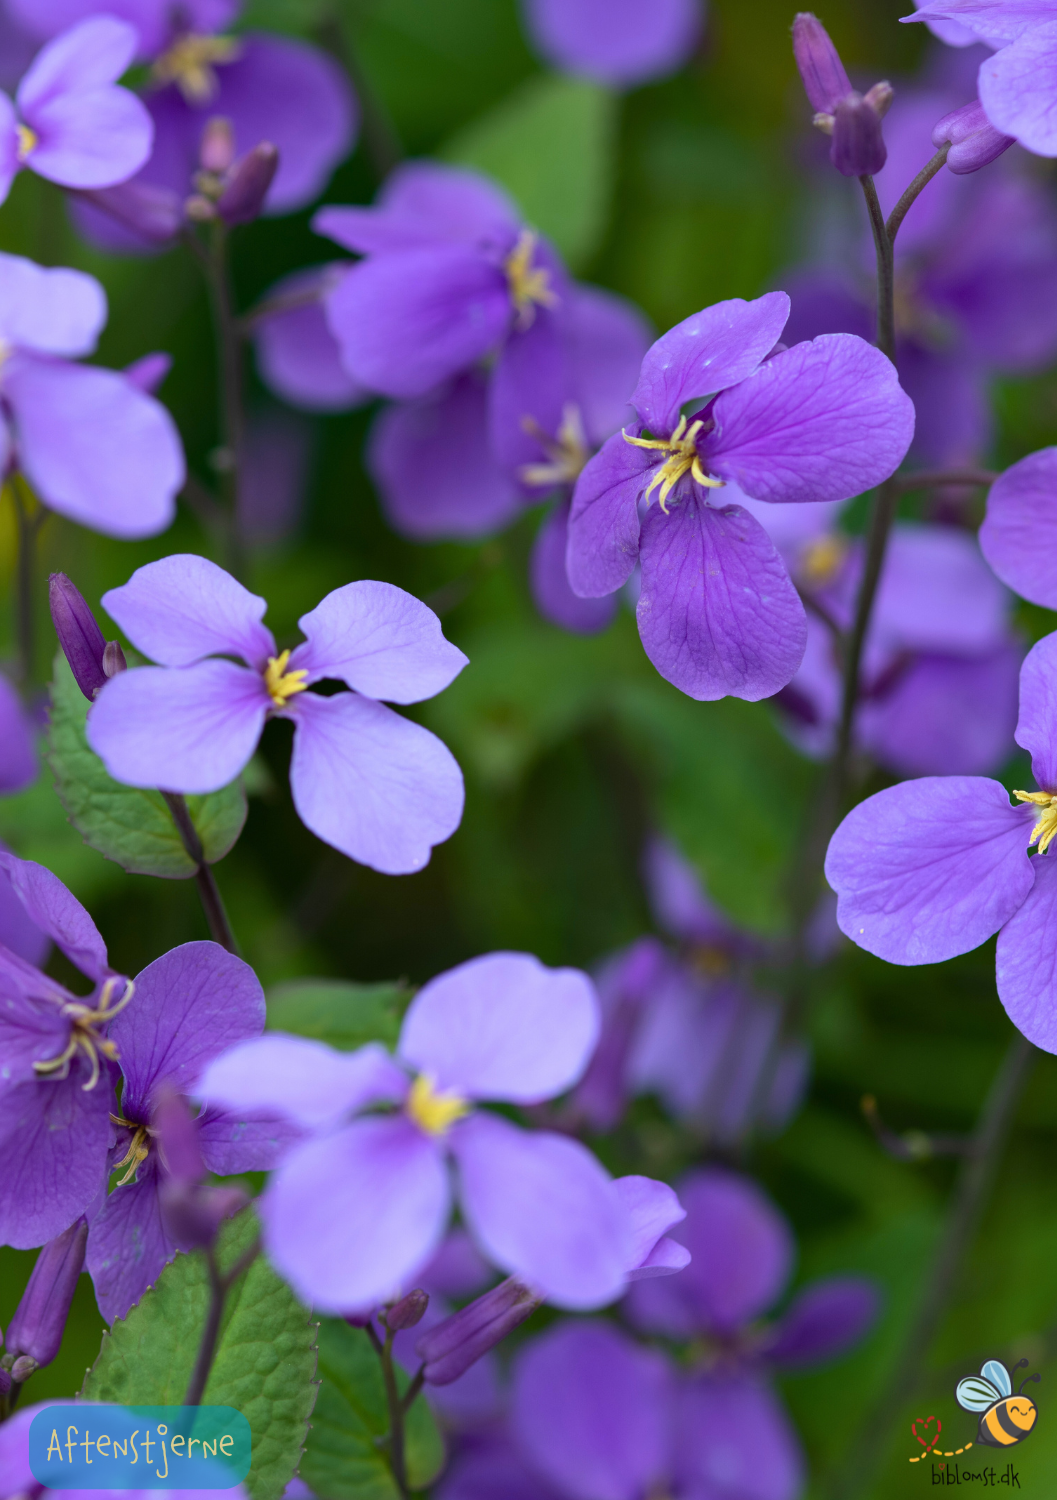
{"points": [[341, 1014], [129, 825], [343, 1460], [552, 145], [265, 1362]]}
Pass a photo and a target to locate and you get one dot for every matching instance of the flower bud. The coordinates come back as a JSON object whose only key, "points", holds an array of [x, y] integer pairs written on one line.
{"points": [[35, 1332], [154, 213], [974, 140], [408, 1311], [192, 1215], [217, 150], [177, 1136], [79, 634], [822, 72], [23, 1368], [858, 148], [450, 1348], [248, 184], [113, 660]]}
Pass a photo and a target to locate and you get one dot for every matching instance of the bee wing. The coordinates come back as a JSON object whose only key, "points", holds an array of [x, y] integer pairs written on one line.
{"points": [[976, 1394], [996, 1372]]}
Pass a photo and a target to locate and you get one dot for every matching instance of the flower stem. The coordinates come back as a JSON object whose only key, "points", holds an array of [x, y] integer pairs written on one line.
{"points": [[394, 1439], [963, 1218], [208, 890], [931, 479], [924, 177], [219, 1286]]}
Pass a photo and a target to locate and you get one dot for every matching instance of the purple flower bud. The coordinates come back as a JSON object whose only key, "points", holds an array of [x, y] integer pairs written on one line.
{"points": [[858, 148], [450, 1348], [248, 185], [37, 1327], [178, 1137], [974, 140], [79, 634], [359, 1319], [114, 660], [217, 150], [192, 1215], [408, 1311], [825, 81], [156, 213]]}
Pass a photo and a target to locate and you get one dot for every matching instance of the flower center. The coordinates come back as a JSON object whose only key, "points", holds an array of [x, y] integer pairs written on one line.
{"points": [[821, 559], [567, 452], [27, 139], [83, 1036], [435, 1110], [281, 684], [138, 1148], [530, 286], [1045, 830], [189, 64], [683, 458]]}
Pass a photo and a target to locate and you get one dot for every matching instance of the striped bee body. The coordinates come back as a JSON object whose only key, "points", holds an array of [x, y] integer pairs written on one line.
{"points": [[1007, 1422], [1006, 1417]]}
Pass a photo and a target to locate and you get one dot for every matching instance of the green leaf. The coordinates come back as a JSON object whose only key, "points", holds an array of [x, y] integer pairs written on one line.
{"points": [[342, 1014], [265, 1361], [129, 825], [343, 1460], [552, 145]]}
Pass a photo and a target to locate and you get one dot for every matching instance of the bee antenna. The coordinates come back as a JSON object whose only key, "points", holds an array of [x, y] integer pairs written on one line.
{"points": [[1027, 1380], [1020, 1364]]}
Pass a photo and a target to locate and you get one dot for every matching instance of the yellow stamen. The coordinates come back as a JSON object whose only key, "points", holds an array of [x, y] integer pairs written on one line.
{"points": [[530, 286], [683, 459], [568, 452], [821, 559], [189, 64], [435, 1110], [27, 139], [280, 683], [83, 1037], [1045, 830], [138, 1149], [710, 961]]}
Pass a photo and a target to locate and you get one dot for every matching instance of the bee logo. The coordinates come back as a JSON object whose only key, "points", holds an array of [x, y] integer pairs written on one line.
{"points": [[1005, 1418]]}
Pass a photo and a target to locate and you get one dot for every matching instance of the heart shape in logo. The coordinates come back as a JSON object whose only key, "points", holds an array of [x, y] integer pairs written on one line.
{"points": [[930, 1440]]}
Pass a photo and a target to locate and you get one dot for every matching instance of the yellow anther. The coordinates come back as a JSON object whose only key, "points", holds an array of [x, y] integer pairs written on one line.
{"points": [[821, 559], [83, 1037], [138, 1149], [435, 1110], [189, 64], [1045, 830], [530, 286], [568, 452], [682, 459], [280, 683], [27, 139], [710, 961]]}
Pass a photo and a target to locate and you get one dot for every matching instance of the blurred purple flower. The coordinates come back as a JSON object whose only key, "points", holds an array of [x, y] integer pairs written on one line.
{"points": [[95, 448], [18, 751], [276, 460], [932, 868], [622, 43], [297, 355], [1020, 527], [821, 421], [351, 1216], [71, 122], [373, 784], [18, 932]]}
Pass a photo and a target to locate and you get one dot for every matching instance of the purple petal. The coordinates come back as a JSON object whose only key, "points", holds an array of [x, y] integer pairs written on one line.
{"points": [[652, 1208], [128, 1246], [433, 466], [408, 321], [529, 388], [21, 936], [306, 1081], [503, 1027], [98, 450], [383, 642], [350, 1218], [49, 310], [58, 913], [564, 1230], [604, 519], [705, 353], [734, 1439], [32, 1026], [187, 729], [18, 750], [189, 1005], [89, 55], [678, 900], [611, 41], [1038, 711], [184, 607], [937, 594], [665, 1259], [152, 19], [717, 612], [1026, 960], [1017, 87], [378, 787], [54, 1137], [89, 139], [931, 868], [607, 340], [592, 1412], [297, 354], [9, 160], [421, 204], [961, 22], [824, 1320], [149, 373], [551, 589], [246, 1141], [1020, 527], [489, 1468]]}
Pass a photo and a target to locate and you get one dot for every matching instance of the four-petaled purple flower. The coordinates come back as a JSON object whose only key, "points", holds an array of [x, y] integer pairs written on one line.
{"points": [[353, 1213], [618, 42], [378, 787], [822, 421]]}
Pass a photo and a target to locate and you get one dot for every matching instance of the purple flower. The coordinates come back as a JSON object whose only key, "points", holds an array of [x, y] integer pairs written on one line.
{"points": [[618, 42], [18, 753], [95, 447], [931, 868], [825, 420], [18, 931], [373, 784], [73, 124], [354, 1213], [297, 355], [1019, 526]]}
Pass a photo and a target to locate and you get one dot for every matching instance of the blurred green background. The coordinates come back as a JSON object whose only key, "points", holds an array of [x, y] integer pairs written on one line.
{"points": [[676, 196]]}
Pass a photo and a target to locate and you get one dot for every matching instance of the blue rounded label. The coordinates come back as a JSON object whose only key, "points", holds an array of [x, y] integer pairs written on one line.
{"points": [[98, 1446]]}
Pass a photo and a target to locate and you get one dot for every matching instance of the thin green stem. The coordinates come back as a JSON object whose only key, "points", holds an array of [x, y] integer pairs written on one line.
{"points": [[418, 1381], [931, 479], [922, 180], [208, 890], [394, 1438], [219, 1286]]}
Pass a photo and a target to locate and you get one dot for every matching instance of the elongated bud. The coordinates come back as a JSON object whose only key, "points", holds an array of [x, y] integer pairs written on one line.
{"points": [[408, 1311], [243, 198], [36, 1330], [974, 140], [858, 148], [79, 634], [450, 1348], [217, 150], [825, 80]]}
